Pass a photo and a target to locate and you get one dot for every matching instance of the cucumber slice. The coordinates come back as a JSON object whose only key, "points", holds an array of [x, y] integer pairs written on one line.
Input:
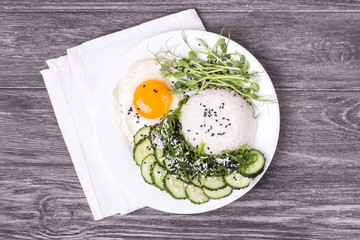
{"points": [[237, 181], [212, 183], [195, 181], [175, 187], [257, 167], [168, 164], [184, 178], [141, 133], [195, 194], [141, 150], [157, 175], [159, 154], [219, 193], [146, 166]]}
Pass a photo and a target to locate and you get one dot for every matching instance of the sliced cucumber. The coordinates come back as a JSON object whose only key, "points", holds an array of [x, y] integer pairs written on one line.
{"points": [[195, 181], [237, 181], [141, 133], [168, 164], [219, 193], [175, 187], [159, 155], [195, 194], [212, 183], [157, 175], [146, 166], [257, 167], [141, 150], [184, 178]]}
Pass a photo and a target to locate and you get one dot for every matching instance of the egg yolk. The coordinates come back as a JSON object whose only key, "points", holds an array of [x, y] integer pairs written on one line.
{"points": [[152, 99]]}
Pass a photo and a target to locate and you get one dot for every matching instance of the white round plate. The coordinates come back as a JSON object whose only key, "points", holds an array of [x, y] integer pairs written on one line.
{"points": [[117, 152]]}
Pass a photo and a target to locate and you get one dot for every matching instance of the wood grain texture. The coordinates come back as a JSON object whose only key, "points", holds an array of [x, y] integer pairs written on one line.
{"points": [[303, 51], [170, 6], [310, 190]]}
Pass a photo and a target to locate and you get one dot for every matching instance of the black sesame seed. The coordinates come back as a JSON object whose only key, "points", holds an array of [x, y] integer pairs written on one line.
{"points": [[188, 130], [143, 85], [212, 134], [138, 108], [155, 91]]}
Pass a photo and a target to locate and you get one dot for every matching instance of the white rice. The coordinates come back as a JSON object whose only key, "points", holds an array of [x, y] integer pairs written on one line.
{"points": [[220, 118]]}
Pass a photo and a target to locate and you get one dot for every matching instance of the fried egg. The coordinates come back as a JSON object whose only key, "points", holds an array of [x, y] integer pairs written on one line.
{"points": [[142, 97]]}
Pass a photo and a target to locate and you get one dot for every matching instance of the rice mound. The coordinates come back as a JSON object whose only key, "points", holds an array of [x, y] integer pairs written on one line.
{"points": [[219, 117]]}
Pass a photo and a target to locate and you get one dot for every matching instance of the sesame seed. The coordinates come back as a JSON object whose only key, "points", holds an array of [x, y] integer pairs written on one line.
{"points": [[143, 85], [155, 91]]}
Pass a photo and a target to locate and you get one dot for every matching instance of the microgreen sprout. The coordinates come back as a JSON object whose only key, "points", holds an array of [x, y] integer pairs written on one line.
{"points": [[206, 67]]}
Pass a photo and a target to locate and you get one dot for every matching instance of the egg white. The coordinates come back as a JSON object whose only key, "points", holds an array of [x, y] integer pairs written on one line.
{"points": [[123, 94]]}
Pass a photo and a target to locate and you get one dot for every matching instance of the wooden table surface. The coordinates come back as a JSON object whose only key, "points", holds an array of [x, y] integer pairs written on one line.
{"points": [[311, 190]]}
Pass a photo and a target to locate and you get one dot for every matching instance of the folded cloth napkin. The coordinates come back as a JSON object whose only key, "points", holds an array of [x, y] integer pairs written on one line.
{"points": [[73, 82]]}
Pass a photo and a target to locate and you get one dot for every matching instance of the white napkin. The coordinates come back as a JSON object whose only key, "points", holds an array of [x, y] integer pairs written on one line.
{"points": [[74, 82]]}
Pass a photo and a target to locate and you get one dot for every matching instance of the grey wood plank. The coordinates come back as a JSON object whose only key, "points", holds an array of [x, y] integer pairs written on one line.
{"points": [[31, 134], [299, 50], [309, 192], [169, 6]]}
